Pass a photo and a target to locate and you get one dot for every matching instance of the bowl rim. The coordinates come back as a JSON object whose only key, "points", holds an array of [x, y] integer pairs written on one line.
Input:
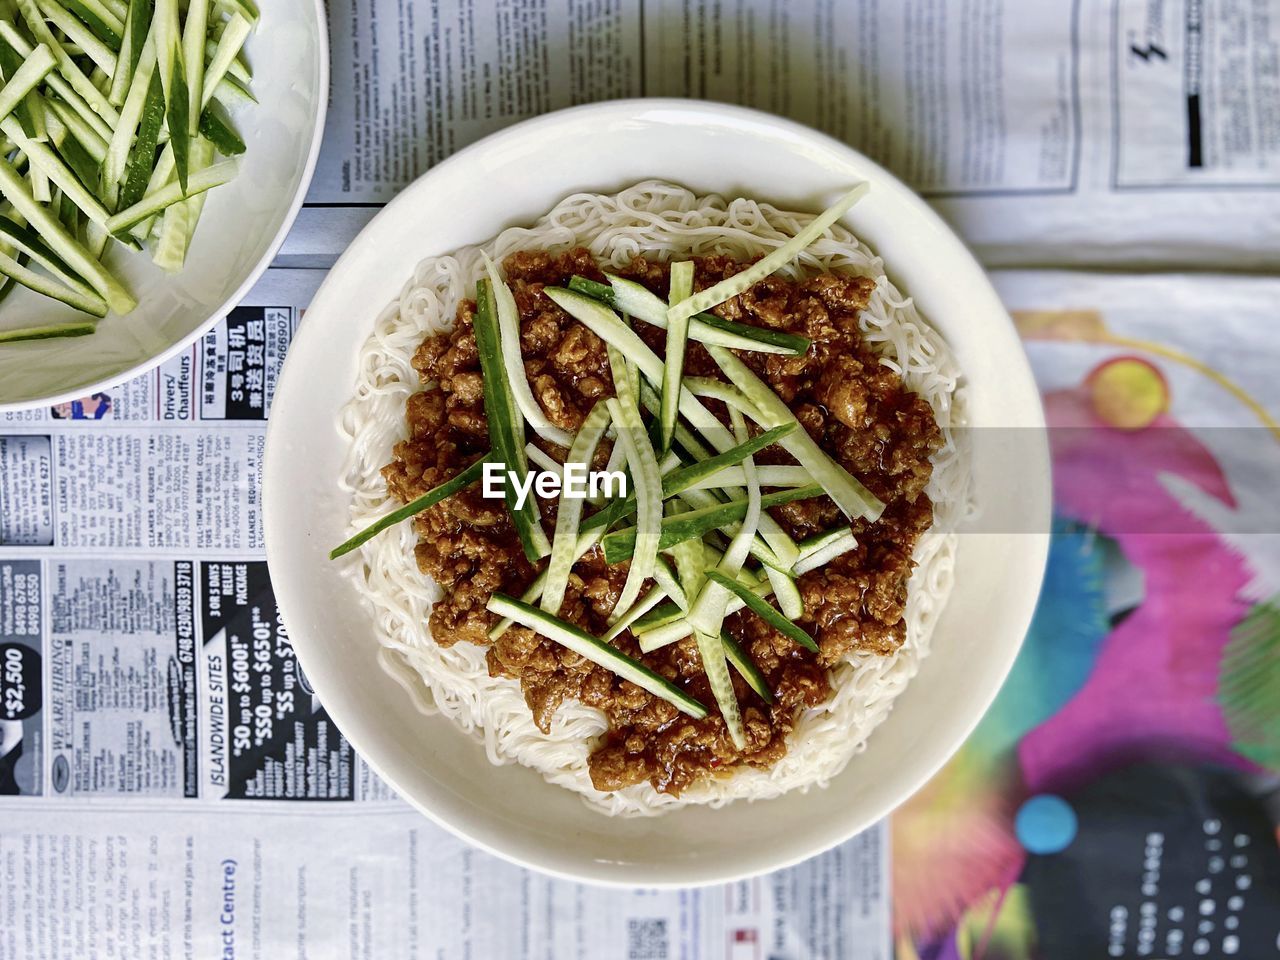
{"points": [[254, 275], [606, 874]]}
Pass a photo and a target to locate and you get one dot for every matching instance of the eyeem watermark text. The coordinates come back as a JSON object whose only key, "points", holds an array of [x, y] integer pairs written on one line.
{"points": [[576, 483]]}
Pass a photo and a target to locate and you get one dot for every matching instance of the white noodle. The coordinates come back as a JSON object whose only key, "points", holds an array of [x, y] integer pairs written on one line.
{"points": [[658, 220]]}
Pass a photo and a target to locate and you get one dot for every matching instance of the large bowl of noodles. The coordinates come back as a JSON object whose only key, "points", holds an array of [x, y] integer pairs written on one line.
{"points": [[533, 752]]}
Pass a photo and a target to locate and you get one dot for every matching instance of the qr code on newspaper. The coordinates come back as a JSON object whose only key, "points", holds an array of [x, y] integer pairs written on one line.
{"points": [[647, 939]]}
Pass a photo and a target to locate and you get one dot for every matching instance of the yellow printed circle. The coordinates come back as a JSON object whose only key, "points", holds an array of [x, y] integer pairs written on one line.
{"points": [[1128, 393]]}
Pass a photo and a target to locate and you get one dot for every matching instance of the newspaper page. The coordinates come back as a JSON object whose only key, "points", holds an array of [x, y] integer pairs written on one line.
{"points": [[264, 881], [170, 785], [1076, 132]]}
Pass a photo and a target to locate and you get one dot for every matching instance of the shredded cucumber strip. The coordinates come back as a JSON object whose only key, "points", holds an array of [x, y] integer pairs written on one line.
{"points": [[850, 495], [161, 175], [82, 85], [694, 447], [669, 581], [731, 287], [564, 542], [605, 324], [816, 542], [199, 181], [691, 566], [648, 482], [790, 600], [26, 78], [19, 237], [412, 508], [245, 8], [238, 69], [75, 30], [179, 223], [660, 616], [49, 331], [619, 544], [43, 285], [676, 630], [82, 163], [62, 243], [506, 426], [617, 460], [113, 168], [544, 459], [726, 393], [194, 32], [52, 166], [711, 652], [173, 77], [704, 500], [105, 17], [741, 661], [679, 479], [513, 360], [769, 475], [677, 338], [28, 108], [825, 554], [635, 299], [229, 45], [56, 81], [638, 609], [595, 650], [83, 132], [137, 25], [534, 591], [761, 608], [41, 189], [709, 609]]}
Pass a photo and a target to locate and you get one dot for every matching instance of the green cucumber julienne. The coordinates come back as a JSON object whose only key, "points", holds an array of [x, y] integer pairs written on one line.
{"points": [[504, 420], [730, 287], [198, 182], [111, 131], [677, 336], [639, 302], [711, 652], [87, 303], [643, 462], [737, 655], [595, 650], [686, 478], [412, 508], [764, 610], [850, 495], [569, 510], [73, 328], [697, 523]]}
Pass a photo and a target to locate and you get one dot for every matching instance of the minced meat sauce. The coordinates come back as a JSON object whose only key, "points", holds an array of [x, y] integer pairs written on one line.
{"points": [[857, 409]]}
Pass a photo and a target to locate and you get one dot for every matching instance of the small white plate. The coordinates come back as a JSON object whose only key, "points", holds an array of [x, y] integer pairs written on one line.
{"points": [[243, 225], [513, 178]]}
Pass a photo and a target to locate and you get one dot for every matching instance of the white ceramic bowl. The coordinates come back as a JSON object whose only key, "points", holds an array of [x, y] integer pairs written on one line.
{"points": [[243, 225], [512, 178]]}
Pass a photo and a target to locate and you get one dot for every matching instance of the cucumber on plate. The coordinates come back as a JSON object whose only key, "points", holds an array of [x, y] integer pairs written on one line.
{"points": [[112, 126]]}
